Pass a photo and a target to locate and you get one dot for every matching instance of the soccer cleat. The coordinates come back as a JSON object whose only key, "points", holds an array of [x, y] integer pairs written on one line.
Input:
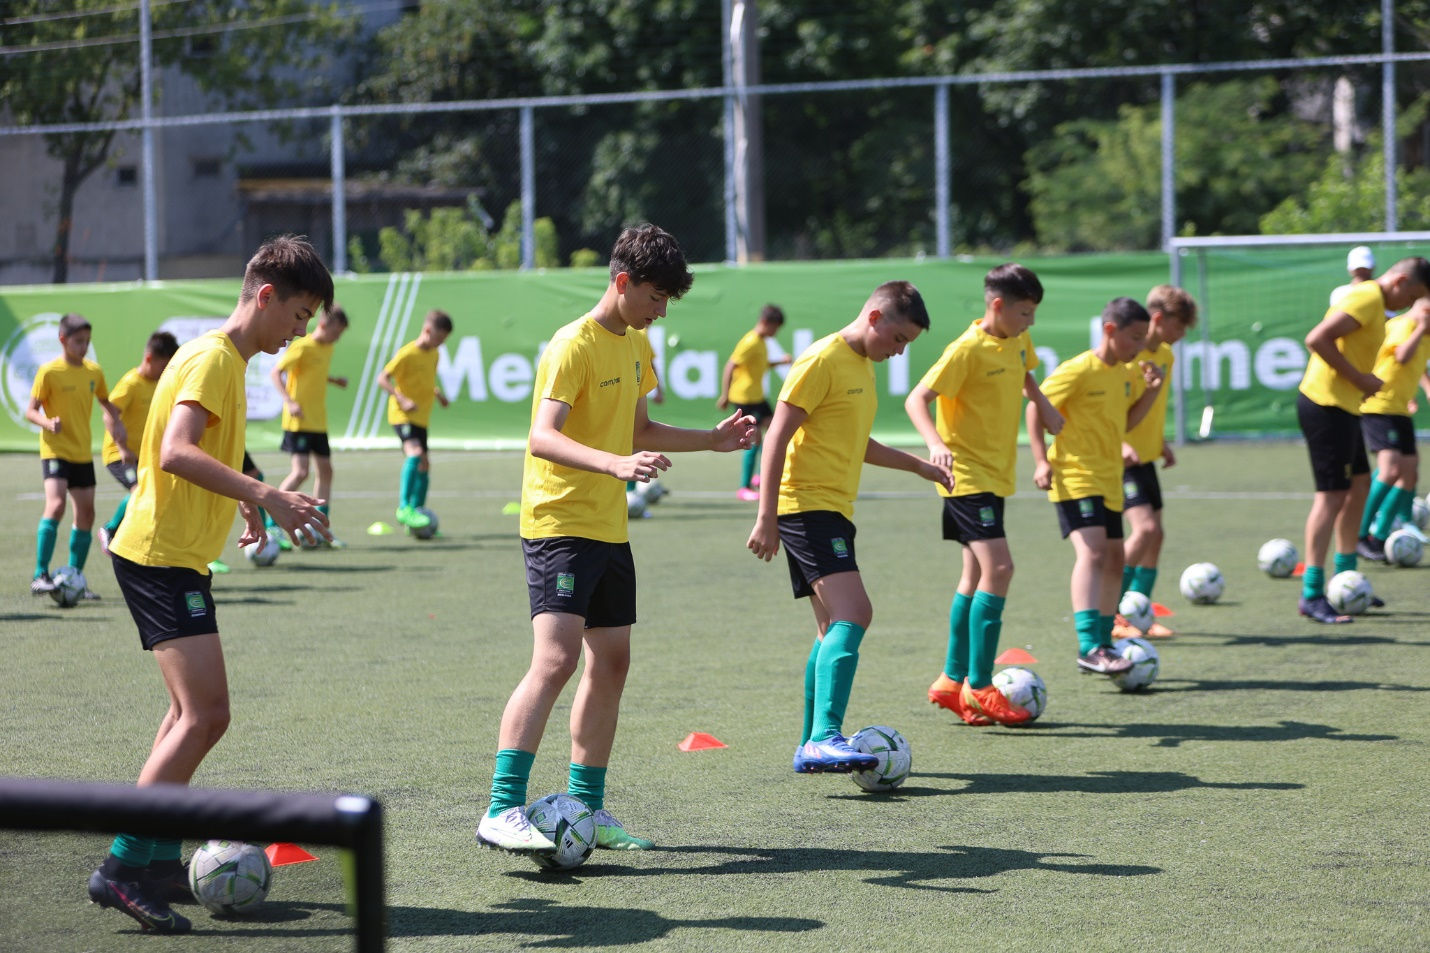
{"points": [[409, 516], [218, 567], [169, 887], [104, 536], [1104, 661], [991, 703], [511, 831], [333, 543], [1376, 602], [284, 544], [89, 595], [1319, 610], [129, 897], [1158, 631], [1122, 629], [1368, 547], [833, 755], [747, 495], [42, 585], [946, 693], [611, 834]]}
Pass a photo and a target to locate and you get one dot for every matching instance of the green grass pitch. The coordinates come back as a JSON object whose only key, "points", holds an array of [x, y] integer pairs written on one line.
{"points": [[1269, 793]]}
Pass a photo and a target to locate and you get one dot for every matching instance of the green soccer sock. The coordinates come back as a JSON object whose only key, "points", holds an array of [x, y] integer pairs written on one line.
{"points": [[509, 777], [1340, 562], [1127, 577], [810, 668], [1406, 512], [118, 517], [588, 785], [1389, 510], [166, 850], [1104, 629], [79, 547], [1143, 579], [424, 480], [407, 491], [1085, 621], [1313, 582], [45, 536], [955, 663], [834, 677], [748, 462], [985, 625], [1373, 501], [630, 485], [132, 850]]}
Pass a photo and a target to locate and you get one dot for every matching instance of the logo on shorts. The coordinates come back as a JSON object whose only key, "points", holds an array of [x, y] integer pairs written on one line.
{"points": [[985, 515], [53, 467], [195, 603], [841, 548], [1129, 488], [566, 584], [1084, 508]]}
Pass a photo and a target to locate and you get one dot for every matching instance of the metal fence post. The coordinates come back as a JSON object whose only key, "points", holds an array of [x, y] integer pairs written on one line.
{"points": [[1169, 158], [338, 164], [528, 191], [146, 111], [941, 169], [1387, 111]]}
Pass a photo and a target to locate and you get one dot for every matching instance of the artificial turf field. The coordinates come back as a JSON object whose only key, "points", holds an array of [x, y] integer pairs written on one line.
{"points": [[1269, 793]]}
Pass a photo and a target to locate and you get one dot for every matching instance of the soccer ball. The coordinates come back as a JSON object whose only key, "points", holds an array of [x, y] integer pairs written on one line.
{"points": [[1024, 688], [1277, 558], [569, 824], [229, 876], [653, 491], [1145, 664], [892, 750], [1349, 592], [1136, 608], [428, 531], [1420, 513], [1202, 583], [636, 504], [1404, 548], [264, 553], [69, 587]]}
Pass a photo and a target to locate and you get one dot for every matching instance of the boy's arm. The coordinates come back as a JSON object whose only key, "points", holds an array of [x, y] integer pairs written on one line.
{"points": [[35, 414], [723, 400], [1052, 420], [1322, 340], [441, 397], [733, 433], [1038, 444], [1153, 378], [880, 455], [764, 539], [916, 405], [1406, 351], [384, 380], [277, 376], [114, 423], [549, 443]]}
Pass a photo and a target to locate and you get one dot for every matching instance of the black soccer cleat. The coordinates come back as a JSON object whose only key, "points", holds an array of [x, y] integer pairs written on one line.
{"points": [[1319, 610], [129, 897]]}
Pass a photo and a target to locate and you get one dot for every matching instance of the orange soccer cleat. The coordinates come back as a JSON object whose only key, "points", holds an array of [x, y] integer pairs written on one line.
{"points": [[946, 693], [990, 703]]}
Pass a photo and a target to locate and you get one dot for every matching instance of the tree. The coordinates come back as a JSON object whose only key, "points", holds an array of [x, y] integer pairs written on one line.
{"points": [[82, 66]]}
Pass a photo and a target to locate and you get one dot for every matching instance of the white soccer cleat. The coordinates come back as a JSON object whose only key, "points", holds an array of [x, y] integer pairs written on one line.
{"points": [[511, 831]]}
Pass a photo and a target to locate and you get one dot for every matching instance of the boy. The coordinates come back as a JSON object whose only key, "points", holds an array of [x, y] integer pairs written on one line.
{"points": [[410, 380], [1389, 430], [743, 384], [1338, 377], [178, 519], [61, 399], [979, 383], [589, 434], [1173, 314], [1100, 396], [132, 396], [814, 452], [301, 376]]}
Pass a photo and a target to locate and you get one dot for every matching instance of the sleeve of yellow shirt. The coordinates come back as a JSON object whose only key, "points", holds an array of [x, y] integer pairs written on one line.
{"points": [[806, 387]]}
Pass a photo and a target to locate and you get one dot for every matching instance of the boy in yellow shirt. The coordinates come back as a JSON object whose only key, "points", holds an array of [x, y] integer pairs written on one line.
{"points": [[979, 384], [1100, 396], [61, 399], [743, 384], [132, 396], [814, 454], [178, 519], [590, 432], [410, 380]]}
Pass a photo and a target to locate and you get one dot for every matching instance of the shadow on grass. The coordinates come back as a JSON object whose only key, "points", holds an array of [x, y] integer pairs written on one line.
{"points": [[1267, 684], [1342, 637], [50, 616], [1170, 736], [1095, 782]]}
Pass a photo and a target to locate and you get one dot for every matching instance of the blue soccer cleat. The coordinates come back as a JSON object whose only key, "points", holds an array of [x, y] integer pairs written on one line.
{"points": [[832, 755]]}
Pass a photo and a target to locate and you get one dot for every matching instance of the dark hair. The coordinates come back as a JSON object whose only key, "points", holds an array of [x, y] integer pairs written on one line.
{"points": [[292, 266], [773, 314], [1012, 282], [651, 255], [162, 344], [335, 311], [71, 323], [439, 319], [901, 301], [1124, 311], [1417, 268]]}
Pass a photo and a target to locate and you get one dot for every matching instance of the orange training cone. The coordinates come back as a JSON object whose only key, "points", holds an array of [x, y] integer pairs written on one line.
{"points": [[699, 740], [1299, 571], [1015, 657], [1160, 611], [281, 854]]}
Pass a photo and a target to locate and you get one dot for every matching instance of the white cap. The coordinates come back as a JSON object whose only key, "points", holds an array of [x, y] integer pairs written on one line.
{"points": [[1360, 257]]}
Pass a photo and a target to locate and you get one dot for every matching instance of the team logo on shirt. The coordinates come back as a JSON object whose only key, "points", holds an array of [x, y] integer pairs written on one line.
{"points": [[840, 547], [194, 602], [1127, 388], [996, 371], [566, 584], [638, 373]]}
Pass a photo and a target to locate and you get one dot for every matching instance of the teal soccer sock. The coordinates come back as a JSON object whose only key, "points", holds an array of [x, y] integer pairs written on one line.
{"points": [[1373, 501], [424, 480], [407, 491], [810, 669], [1313, 582], [1104, 629], [79, 547], [1127, 577], [834, 677], [509, 777], [166, 849], [1085, 621], [118, 517], [1143, 579], [985, 625], [45, 536], [748, 462], [955, 663], [1340, 562], [588, 785], [132, 850], [1389, 510]]}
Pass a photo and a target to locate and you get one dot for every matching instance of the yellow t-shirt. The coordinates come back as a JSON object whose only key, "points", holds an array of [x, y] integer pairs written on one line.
{"points": [[1320, 383], [835, 387], [170, 521], [752, 363], [414, 373], [979, 382], [1148, 438], [306, 362], [601, 376], [67, 391], [1400, 379], [132, 395], [1093, 398]]}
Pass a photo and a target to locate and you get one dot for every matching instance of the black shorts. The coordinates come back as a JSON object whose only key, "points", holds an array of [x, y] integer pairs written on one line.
{"points": [[126, 473], [817, 544], [79, 476], [761, 411], [249, 466], [305, 442], [406, 432], [1334, 442], [586, 577], [1085, 512], [975, 516], [1388, 432], [167, 602], [1140, 487]]}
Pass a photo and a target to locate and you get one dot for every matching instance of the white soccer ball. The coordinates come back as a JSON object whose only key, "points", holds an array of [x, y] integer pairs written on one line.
{"points": [[1349, 592], [892, 750], [654, 491], [1024, 688], [1420, 513], [1277, 558], [229, 876], [1136, 608], [428, 531], [69, 587], [263, 553], [1145, 664], [569, 824], [636, 504], [1404, 548], [1202, 583]]}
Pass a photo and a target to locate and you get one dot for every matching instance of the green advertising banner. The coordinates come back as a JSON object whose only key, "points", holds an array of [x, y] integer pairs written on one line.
{"points": [[1247, 366]]}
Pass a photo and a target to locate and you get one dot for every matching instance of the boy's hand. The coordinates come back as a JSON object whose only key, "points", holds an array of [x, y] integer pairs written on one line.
{"points": [[1169, 459], [1043, 475], [940, 455], [294, 408], [764, 540], [297, 514], [641, 467], [735, 432], [722, 402], [126, 456], [407, 404], [442, 399], [1152, 374], [53, 426], [1052, 420], [253, 529], [935, 473], [1129, 456], [1367, 384], [339, 381]]}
